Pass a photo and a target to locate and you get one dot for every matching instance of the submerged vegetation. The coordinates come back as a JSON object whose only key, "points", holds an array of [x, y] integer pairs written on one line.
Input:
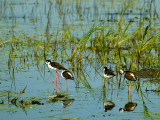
{"points": [[116, 41]]}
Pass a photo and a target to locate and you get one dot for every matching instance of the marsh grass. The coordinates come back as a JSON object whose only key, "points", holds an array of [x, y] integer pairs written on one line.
{"points": [[115, 46], [134, 50]]}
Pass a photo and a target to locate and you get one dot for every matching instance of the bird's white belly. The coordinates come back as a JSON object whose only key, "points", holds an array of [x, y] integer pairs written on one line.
{"points": [[52, 68], [108, 76]]}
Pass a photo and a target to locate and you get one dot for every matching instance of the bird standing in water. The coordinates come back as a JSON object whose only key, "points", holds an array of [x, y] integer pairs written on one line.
{"points": [[55, 66], [129, 75]]}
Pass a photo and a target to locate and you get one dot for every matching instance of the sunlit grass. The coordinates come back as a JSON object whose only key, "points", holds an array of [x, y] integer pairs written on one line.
{"points": [[135, 50]]}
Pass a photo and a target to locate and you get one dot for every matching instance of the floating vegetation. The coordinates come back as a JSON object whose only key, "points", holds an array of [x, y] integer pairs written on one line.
{"points": [[66, 101], [24, 102], [14, 100], [32, 102], [60, 97], [57, 97]]}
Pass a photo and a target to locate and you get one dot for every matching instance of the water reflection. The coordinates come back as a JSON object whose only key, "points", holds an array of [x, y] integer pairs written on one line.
{"points": [[108, 105], [67, 102], [129, 106], [63, 98]]}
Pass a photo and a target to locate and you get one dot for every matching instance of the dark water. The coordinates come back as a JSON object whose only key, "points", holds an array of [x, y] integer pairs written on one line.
{"points": [[37, 17]]}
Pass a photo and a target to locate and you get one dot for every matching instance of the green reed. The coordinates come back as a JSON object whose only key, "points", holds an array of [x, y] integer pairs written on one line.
{"points": [[112, 44]]}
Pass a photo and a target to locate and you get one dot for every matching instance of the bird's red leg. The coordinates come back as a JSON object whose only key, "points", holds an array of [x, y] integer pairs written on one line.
{"points": [[59, 74], [66, 87], [107, 89], [56, 80], [129, 91]]}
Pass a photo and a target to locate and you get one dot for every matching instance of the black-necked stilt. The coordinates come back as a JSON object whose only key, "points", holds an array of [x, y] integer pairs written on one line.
{"points": [[66, 74], [108, 73], [130, 106], [55, 66], [108, 105], [129, 75]]}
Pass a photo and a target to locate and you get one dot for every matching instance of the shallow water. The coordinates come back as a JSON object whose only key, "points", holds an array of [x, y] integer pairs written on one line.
{"points": [[37, 17], [87, 104]]}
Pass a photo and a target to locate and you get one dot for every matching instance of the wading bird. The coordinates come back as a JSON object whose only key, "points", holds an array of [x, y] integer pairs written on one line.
{"points": [[129, 75], [55, 66]]}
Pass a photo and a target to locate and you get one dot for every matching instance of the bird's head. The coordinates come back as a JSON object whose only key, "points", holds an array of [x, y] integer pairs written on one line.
{"points": [[105, 68], [48, 62], [121, 109], [121, 71]]}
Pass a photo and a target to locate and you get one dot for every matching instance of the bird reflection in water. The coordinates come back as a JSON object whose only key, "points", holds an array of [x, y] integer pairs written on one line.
{"points": [[67, 102], [108, 105], [129, 106]]}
